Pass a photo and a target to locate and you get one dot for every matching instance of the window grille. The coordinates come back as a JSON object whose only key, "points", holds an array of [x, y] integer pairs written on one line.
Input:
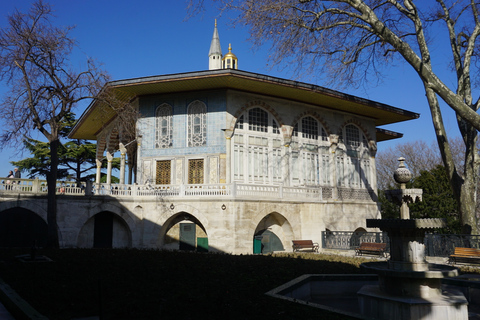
{"points": [[324, 135], [163, 172], [257, 120], [164, 127], [352, 135], [239, 124], [295, 130], [275, 128], [309, 128], [197, 124], [195, 171], [308, 150]]}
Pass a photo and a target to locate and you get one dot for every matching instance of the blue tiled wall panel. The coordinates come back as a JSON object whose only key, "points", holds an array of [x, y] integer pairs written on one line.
{"points": [[216, 121]]}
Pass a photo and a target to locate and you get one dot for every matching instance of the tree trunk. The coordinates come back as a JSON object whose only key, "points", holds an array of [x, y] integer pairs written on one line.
{"points": [[464, 188], [468, 191], [52, 240]]}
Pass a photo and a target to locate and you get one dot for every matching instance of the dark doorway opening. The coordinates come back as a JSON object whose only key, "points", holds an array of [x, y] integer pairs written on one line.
{"points": [[21, 227], [103, 230]]}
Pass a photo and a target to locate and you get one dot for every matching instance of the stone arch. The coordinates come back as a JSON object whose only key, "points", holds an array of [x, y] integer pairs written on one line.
{"points": [[168, 214], [176, 221], [257, 104], [101, 146], [314, 115], [22, 227], [105, 229], [121, 212], [275, 222], [356, 237], [113, 140], [28, 205], [356, 123]]}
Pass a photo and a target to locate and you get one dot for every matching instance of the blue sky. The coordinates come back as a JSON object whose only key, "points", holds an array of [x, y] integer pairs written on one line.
{"points": [[152, 37]]}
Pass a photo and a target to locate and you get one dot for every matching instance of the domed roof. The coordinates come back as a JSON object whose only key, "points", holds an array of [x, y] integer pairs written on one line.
{"points": [[230, 54]]}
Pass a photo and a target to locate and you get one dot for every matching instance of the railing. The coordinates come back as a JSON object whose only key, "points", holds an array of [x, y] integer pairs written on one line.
{"points": [[234, 190], [436, 245], [348, 240], [443, 245], [37, 186]]}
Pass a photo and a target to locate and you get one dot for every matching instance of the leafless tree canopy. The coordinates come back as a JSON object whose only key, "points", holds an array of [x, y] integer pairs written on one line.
{"points": [[349, 41], [43, 87]]}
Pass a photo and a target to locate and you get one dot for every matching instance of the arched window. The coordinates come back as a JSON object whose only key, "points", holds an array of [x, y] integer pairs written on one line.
{"points": [[353, 159], [257, 148], [257, 120], [164, 127], [309, 154], [197, 124]]}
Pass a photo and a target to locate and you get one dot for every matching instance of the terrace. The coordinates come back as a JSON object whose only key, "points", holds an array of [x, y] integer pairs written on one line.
{"points": [[38, 187]]}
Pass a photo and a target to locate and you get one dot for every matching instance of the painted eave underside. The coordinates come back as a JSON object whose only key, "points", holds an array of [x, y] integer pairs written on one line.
{"points": [[98, 115]]}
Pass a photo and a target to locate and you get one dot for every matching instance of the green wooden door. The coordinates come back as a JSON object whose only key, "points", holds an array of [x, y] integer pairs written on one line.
{"points": [[266, 241], [187, 236], [202, 244], [257, 245]]}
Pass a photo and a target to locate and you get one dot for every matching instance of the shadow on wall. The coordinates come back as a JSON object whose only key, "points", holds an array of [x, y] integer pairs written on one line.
{"points": [[21, 227]]}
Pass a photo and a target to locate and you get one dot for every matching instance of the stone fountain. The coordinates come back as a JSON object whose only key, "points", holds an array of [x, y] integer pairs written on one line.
{"points": [[409, 287]]}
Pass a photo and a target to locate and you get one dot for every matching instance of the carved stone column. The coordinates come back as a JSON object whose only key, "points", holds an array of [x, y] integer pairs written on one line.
{"points": [[139, 173], [123, 151], [228, 160], [109, 167], [99, 171]]}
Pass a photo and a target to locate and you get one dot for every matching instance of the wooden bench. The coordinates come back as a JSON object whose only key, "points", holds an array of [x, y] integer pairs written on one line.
{"points": [[304, 244], [465, 255], [371, 248]]}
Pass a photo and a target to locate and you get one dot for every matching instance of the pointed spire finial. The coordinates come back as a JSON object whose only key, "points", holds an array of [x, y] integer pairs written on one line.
{"points": [[215, 53]]}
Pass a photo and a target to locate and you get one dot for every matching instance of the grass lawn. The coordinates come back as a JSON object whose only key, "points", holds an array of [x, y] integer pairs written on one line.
{"points": [[149, 284]]}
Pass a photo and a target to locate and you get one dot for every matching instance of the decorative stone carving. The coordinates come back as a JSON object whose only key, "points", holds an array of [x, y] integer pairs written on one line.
{"points": [[402, 174]]}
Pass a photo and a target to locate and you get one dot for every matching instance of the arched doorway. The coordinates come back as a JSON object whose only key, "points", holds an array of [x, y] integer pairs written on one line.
{"points": [[265, 241], [184, 232], [273, 233], [21, 227], [105, 230], [356, 237]]}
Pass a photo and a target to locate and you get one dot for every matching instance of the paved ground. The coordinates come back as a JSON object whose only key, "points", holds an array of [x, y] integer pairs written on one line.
{"points": [[4, 314]]}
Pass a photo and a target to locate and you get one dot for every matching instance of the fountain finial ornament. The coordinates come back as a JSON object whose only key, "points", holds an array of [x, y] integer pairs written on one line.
{"points": [[402, 175], [403, 196]]}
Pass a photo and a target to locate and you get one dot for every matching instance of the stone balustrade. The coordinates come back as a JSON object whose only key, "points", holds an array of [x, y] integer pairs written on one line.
{"points": [[233, 191]]}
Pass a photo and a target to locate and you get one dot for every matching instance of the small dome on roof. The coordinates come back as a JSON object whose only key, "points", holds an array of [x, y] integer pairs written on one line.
{"points": [[230, 60]]}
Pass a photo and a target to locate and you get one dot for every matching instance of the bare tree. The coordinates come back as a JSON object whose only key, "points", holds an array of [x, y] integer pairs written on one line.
{"points": [[43, 87], [126, 114], [352, 40], [418, 154]]}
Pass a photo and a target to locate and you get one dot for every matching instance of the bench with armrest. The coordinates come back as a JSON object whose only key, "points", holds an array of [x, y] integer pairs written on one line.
{"points": [[465, 255], [371, 248], [304, 244]]}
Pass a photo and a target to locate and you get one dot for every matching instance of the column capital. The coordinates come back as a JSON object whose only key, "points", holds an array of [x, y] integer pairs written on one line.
{"points": [[122, 148], [228, 133]]}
